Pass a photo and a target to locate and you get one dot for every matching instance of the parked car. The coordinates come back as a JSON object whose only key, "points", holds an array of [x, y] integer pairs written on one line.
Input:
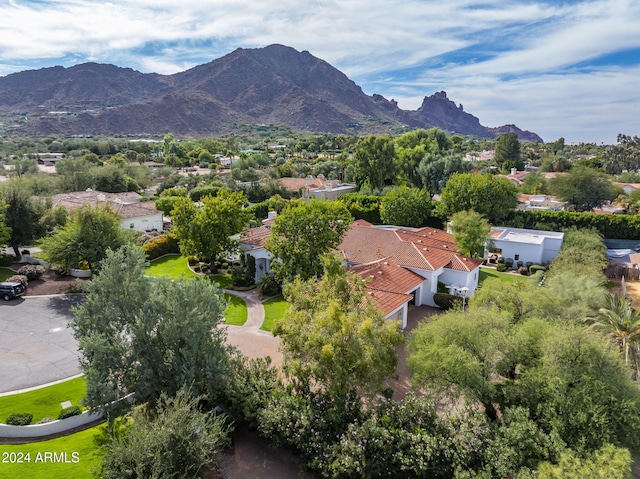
{"points": [[9, 290]]}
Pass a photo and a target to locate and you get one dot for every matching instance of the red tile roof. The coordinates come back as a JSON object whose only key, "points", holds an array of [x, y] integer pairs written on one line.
{"points": [[256, 236], [386, 275], [387, 301], [296, 184]]}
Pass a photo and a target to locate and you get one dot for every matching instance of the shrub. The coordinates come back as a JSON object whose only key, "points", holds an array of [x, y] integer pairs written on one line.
{"points": [[508, 262], [69, 412], [45, 420], [500, 267], [268, 286], [523, 271], [501, 260], [161, 245], [528, 264], [446, 301], [520, 264], [6, 259], [20, 419], [442, 288], [18, 278], [31, 271], [241, 276], [534, 268]]}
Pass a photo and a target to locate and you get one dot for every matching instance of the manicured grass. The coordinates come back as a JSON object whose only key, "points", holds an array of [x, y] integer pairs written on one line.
{"points": [[44, 402], [236, 313], [88, 457], [5, 273], [274, 308], [172, 266], [486, 273], [223, 280]]}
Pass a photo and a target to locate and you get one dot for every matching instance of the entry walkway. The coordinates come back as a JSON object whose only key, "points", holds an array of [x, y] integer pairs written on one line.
{"points": [[249, 338]]}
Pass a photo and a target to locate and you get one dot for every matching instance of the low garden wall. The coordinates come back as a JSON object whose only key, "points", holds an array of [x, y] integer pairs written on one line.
{"points": [[48, 428]]}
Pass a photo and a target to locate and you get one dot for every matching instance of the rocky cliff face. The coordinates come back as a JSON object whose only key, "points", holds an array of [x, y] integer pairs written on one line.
{"points": [[271, 85]]}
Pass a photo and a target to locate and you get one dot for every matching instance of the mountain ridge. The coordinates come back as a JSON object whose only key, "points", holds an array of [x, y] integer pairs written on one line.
{"points": [[271, 85]]}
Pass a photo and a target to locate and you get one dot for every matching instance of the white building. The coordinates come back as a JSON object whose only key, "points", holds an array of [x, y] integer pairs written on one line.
{"points": [[535, 246]]}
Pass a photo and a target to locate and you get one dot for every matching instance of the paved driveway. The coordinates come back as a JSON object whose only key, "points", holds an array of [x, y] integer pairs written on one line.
{"points": [[36, 347]]}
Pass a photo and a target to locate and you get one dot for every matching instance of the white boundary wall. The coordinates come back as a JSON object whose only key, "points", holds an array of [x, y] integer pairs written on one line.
{"points": [[48, 428]]}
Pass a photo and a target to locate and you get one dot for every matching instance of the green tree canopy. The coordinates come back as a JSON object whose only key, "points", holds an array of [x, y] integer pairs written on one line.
{"points": [[334, 337], [490, 196], [471, 232], [374, 161], [302, 233], [404, 206], [86, 236], [582, 188], [5, 231], [507, 153], [21, 215], [149, 335], [206, 230]]}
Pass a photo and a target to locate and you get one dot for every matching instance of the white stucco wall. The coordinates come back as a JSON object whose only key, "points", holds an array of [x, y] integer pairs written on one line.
{"points": [[144, 223]]}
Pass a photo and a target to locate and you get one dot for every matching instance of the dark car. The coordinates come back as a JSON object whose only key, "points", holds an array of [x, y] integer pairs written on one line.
{"points": [[9, 290]]}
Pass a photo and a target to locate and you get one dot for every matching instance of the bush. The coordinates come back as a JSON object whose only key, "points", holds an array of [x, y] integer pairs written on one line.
{"points": [[534, 268], [268, 286], [520, 264], [241, 276], [161, 245], [508, 262], [446, 301], [20, 419], [45, 420], [500, 267], [18, 278], [523, 271], [70, 412], [32, 271], [501, 260]]}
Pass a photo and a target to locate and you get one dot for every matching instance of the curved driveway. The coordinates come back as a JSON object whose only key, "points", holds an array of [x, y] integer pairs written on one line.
{"points": [[36, 346]]}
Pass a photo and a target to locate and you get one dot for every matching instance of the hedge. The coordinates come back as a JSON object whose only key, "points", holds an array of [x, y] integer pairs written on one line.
{"points": [[618, 226], [161, 245], [20, 419], [446, 301], [70, 412]]}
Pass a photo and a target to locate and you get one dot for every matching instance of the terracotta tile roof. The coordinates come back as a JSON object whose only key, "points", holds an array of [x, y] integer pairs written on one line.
{"points": [[386, 275], [256, 236], [387, 301], [295, 184], [411, 249], [128, 204]]}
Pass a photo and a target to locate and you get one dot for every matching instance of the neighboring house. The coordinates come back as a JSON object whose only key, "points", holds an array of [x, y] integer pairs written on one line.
{"points": [[485, 155], [540, 202], [48, 159], [402, 265], [319, 188], [628, 188], [517, 177], [535, 246], [134, 214]]}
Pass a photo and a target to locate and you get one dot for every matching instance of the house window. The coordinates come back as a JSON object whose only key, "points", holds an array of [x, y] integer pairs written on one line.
{"points": [[517, 257], [131, 225]]}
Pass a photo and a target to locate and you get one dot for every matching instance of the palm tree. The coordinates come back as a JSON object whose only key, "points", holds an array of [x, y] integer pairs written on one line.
{"points": [[621, 323]]}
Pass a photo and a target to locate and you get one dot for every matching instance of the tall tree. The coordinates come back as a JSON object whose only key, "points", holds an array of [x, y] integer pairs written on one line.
{"points": [[507, 153], [149, 335], [85, 237], [404, 206], [582, 188], [5, 231], [374, 161], [302, 233], [620, 322], [22, 215], [492, 197], [471, 232], [334, 338], [206, 230], [434, 170]]}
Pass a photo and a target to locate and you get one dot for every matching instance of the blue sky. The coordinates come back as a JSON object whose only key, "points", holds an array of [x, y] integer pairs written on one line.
{"points": [[559, 68]]}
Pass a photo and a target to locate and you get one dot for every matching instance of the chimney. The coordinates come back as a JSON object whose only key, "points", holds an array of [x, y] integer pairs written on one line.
{"points": [[309, 179], [514, 171]]}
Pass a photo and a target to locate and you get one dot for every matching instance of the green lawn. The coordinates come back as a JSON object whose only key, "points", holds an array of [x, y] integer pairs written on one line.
{"points": [[236, 313], [5, 273], [80, 447], [172, 266], [43, 402], [274, 308], [486, 273]]}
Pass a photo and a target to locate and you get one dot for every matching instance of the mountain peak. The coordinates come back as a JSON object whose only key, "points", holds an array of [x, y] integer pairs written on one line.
{"points": [[275, 84]]}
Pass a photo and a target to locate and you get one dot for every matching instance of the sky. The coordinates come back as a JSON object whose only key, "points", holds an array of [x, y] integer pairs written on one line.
{"points": [[566, 69]]}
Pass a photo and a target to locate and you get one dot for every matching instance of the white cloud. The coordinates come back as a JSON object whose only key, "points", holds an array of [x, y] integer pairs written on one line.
{"points": [[507, 62]]}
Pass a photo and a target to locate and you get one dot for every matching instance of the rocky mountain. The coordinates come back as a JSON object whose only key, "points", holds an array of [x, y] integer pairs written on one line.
{"points": [[273, 85]]}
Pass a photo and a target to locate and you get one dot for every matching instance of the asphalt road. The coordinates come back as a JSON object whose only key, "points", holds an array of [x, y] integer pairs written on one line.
{"points": [[36, 346]]}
